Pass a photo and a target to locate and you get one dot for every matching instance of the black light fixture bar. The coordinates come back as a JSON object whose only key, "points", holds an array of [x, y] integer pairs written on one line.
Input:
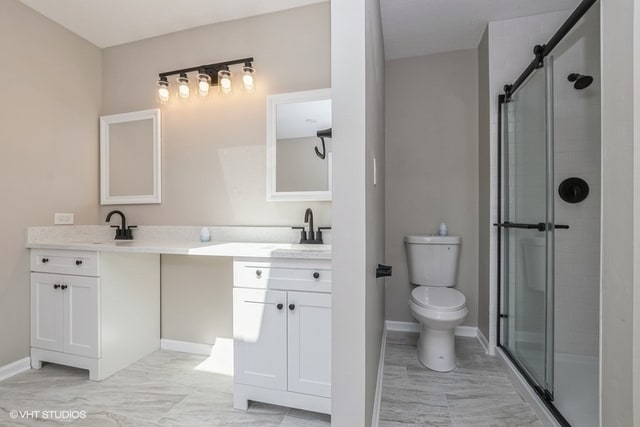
{"points": [[210, 69]]}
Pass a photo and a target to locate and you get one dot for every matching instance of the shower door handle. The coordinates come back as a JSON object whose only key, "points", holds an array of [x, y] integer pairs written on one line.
{"points": [[541, 226]]}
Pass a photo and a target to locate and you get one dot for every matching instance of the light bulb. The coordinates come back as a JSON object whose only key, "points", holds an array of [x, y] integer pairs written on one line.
{"points": [[248, 82], [183, 87], [163, 90], [224, 81], [204, 83]]}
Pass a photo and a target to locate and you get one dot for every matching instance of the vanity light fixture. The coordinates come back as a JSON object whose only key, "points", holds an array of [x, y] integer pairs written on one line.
{"points": [[217, 74], [224, 81], [163, 90], [204, 83], [183, 86], [248, 83]]}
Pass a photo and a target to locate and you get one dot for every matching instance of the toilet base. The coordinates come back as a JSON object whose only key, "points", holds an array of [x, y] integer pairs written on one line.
{"points": [[436, 349]]}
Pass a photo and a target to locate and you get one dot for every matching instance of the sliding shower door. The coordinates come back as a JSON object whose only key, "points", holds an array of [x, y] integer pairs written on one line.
{"points": [[527, 228]]}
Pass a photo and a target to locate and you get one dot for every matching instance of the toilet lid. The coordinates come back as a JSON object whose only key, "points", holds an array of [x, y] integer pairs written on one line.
{"points": [[443, 299]]}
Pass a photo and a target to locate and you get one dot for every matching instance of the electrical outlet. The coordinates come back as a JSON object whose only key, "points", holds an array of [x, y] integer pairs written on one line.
{"points": [[63, 219]]}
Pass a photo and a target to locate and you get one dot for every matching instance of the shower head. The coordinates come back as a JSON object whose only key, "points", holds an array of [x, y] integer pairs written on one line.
{"points": [[581, 81]]}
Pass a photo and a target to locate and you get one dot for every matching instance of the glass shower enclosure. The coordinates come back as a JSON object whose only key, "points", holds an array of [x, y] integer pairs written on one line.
{"points": [[528, 227], [549, 220]]}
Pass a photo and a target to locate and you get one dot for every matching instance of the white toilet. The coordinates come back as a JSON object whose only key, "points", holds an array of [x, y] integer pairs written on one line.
{"points": [[433, 264]]}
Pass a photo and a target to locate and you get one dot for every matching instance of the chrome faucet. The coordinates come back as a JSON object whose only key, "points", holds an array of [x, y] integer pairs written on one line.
{"points": [[122, 231]]}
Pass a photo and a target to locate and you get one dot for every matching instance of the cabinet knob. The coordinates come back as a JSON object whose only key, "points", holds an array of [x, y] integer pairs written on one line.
{"points": [[292, 307], [78, 262], [279, 306], [45, 260], [316, 275], [259, 273], [63, 287], [56, 286]]}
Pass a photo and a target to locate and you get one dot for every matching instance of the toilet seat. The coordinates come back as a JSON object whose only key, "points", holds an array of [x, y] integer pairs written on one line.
{"points": [[441, 299]]}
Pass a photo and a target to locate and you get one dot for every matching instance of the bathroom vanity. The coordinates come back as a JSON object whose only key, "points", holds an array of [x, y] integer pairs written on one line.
{"points": [[93, 310], [95, 304], [282, 333]]}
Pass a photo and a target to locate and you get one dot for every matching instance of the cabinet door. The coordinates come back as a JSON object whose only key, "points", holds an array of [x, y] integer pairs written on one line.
{"points": [[309, 343], [47, 330], [82, 316], [260, 337]]}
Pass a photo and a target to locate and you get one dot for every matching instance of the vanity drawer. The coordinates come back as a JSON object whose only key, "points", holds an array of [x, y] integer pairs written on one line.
{"points": [[77, 263], [296, 275]]}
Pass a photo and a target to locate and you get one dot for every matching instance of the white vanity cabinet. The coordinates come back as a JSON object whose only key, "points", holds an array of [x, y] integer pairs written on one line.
{"points": [[93, 310], [282, 333], [65, 314]]}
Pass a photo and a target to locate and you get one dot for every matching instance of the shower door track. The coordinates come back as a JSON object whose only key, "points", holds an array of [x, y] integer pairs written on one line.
{"points": [[541, 51], [544, 396]]}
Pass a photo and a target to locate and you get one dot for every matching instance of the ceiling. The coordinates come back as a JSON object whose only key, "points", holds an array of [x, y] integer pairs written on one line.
{"points": [[423, 27], [111, 22], [410, 27]]}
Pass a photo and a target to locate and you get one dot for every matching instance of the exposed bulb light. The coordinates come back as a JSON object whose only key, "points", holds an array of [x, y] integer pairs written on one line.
{"points": [[183, 86], [248, 81], [204, 77], [163, 90], [204, 83], [224, 81]]}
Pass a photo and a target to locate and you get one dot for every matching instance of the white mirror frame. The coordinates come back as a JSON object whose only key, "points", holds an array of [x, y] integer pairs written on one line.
{"points": [[272, 105], [105, 197]]}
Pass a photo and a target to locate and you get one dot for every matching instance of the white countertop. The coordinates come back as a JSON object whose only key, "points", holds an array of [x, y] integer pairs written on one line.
{"points": [[182, 247]]}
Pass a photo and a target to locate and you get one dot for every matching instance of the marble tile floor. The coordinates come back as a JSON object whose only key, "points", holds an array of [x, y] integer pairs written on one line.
{"points": [[477, 393], [163, 389]]}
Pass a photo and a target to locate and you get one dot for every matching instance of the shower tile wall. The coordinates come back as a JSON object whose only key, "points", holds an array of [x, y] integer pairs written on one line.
{"points": [[577, 154]]}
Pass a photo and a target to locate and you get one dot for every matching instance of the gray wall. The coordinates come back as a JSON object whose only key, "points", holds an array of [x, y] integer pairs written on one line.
{"points": [[298, 168], [48, 148], [358, 214], [432, 166], [214, 151], [616, 346], [484, 180]]}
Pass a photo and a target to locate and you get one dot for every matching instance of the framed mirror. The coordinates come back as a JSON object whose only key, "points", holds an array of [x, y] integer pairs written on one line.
{"points": [[130, 158], [299, 151]]}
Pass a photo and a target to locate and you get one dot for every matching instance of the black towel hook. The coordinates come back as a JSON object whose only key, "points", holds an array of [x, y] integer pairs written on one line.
{"points": [[322, 134]]}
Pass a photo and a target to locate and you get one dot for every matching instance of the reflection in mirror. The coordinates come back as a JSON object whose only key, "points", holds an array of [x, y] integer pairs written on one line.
{"points": [[130, 158], [298, 166], [299, 147]]}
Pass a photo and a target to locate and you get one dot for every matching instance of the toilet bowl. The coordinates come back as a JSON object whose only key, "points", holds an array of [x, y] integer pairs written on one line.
{"points": [[432, 262], [438, 313]]}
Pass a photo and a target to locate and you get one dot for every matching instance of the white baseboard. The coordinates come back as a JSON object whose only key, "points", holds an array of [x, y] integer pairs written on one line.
{"points": [[15, 368], [483, 341], [393, 325], [466, 331], [460, 331], [375, 419], [186, 347]]}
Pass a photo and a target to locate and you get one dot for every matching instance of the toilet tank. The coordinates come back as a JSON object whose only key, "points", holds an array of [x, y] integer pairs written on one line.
{"points": [[432, 260]]}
